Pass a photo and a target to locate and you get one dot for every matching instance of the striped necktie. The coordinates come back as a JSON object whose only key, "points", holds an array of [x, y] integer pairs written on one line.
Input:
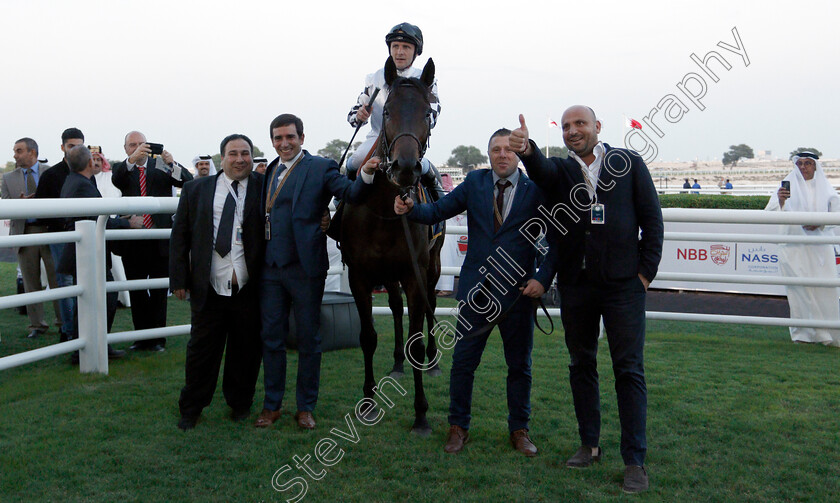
{"points": [[147, 219]]}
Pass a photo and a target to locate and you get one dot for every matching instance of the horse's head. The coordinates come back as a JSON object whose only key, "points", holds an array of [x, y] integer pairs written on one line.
{"points": [[406, 121]]}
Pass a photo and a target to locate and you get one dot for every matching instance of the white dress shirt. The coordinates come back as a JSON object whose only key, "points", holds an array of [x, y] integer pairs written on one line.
{"points": [[223, 268], [592, 171]]}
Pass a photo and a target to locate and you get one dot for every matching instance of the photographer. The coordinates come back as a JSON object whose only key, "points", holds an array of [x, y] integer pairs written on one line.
{"points": [[149, 170]]}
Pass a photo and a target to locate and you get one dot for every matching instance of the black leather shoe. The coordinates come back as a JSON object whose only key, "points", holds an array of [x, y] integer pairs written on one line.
{"points": [[584, 458], [157, 348], [635, 479], [33, 334], [114, 354], [240, 414], [187, 423], [137, 346]]}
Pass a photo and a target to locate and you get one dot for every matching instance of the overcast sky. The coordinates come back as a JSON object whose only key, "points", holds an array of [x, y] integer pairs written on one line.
{"points": [[189, 73]]}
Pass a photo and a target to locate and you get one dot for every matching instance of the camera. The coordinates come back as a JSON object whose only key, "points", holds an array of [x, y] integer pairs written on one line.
{"points": [[156, 148]]}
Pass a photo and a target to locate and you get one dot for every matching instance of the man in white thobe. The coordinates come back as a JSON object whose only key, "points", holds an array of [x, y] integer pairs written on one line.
{"points": [[809, 191]]}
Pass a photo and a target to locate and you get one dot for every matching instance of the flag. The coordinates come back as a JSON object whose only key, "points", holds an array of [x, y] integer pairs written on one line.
{"points": [[551, 123], [632, 123]]}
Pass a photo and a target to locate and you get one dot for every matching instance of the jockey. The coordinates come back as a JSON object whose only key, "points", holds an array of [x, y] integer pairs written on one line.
{"points": [[405, 43]]}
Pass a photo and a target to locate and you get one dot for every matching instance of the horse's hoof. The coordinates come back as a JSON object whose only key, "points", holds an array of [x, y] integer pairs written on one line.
{"points": [[434, 372], [423, 431], [372, 414], [398, 371]]}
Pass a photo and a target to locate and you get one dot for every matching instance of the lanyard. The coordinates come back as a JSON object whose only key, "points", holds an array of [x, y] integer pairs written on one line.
{"points": [[270, 202]]}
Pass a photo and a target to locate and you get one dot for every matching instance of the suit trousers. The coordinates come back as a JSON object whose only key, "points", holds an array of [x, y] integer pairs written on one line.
{"points": [[622, 305], [29, 260], [223, 321], [67, 305], [517, 331], [148, 307], [282, 290]]}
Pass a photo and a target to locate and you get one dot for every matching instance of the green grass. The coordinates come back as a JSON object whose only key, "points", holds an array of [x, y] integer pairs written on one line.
{"points": [[735, 414]]}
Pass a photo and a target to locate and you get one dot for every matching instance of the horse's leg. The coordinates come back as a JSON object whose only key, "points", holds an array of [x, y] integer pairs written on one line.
{"points": [[434, 276], [367, 336], [414, 295], [395, 302]]}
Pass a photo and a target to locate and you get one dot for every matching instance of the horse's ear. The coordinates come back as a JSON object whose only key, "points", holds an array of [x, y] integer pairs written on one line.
{"points": [[390, 71], [428, 76]]}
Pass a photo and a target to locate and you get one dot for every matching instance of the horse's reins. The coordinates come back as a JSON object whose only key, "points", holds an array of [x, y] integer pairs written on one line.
{"points": [[370, 103]]}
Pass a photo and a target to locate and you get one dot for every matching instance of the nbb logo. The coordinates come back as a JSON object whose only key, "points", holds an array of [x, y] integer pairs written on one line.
{"points": [[692, 254], [719, 254]]}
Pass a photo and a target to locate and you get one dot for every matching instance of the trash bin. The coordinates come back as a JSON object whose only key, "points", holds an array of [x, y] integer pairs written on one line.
{"points": [[340, 325]]}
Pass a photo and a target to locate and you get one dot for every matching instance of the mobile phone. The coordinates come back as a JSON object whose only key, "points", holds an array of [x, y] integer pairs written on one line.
{"points": [[95, 149], [786, 185], [205, 157], [156, 148], [260, 159]]}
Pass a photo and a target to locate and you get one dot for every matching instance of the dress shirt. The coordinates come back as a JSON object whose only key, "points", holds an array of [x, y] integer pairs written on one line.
{"points": [[509, 192], [592, 171], [222, 268]]}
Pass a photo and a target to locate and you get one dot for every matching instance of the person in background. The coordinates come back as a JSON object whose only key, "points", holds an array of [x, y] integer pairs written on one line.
{"points": [[695, 186], [728, 184], [809, 191], [204, 166], [22, 183], [147, 175]]}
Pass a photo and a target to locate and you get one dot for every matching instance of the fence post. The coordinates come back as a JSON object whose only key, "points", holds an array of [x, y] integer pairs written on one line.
{"points": [[91, 305]]}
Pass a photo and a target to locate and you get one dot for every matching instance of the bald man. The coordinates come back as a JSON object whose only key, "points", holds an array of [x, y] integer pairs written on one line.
{"points": [[602, 197], [144, 174]]}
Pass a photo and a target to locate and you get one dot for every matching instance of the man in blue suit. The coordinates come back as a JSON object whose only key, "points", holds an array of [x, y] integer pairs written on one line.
{"points": [[298, 187], [500, 203]]}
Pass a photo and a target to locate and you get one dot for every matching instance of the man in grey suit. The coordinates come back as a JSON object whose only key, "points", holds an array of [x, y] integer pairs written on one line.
{"points": [[21, 184]]}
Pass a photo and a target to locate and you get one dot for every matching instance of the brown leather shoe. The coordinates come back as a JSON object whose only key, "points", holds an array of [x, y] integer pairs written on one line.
{"points": [[456, 440], [267, 418], [305, 420], [520, 441], [583, 457]]}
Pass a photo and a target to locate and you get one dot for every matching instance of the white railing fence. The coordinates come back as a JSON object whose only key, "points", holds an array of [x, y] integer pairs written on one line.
{"points": [[91, 285]]}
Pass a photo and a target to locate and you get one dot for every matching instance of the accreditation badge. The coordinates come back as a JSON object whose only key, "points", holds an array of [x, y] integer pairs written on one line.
{"points": [[597, 213], [239, 235]]}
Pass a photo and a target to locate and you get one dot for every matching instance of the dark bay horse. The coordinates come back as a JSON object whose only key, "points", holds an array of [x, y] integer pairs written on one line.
{"points": [[373, 240]]}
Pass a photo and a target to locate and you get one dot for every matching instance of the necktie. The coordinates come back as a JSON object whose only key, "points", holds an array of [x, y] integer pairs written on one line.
{"points": [[500, 203], [280, 169], [147, 219], [30, 182], [225, 233]]}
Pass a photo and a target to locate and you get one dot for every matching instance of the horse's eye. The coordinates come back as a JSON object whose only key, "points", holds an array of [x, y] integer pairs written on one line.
{"points": [[386, 113]]}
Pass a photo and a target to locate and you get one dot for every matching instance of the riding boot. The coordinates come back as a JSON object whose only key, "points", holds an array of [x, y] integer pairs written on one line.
{"points": [[431, 180]]}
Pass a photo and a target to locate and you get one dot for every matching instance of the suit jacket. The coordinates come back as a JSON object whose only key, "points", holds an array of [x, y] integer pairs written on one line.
{"points": [[191, 243], [613, 250], [159, 183], [13, 186], [317, 181], [50, 183], [475, 195], [75, 186]]}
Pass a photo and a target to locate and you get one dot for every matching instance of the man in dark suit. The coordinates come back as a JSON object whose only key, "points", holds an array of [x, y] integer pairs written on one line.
{"points": [[499, 202], [142, 174], [297, 190], [602, 197], [80, 183], [22, 183], [216, 254], [49, 187]]}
